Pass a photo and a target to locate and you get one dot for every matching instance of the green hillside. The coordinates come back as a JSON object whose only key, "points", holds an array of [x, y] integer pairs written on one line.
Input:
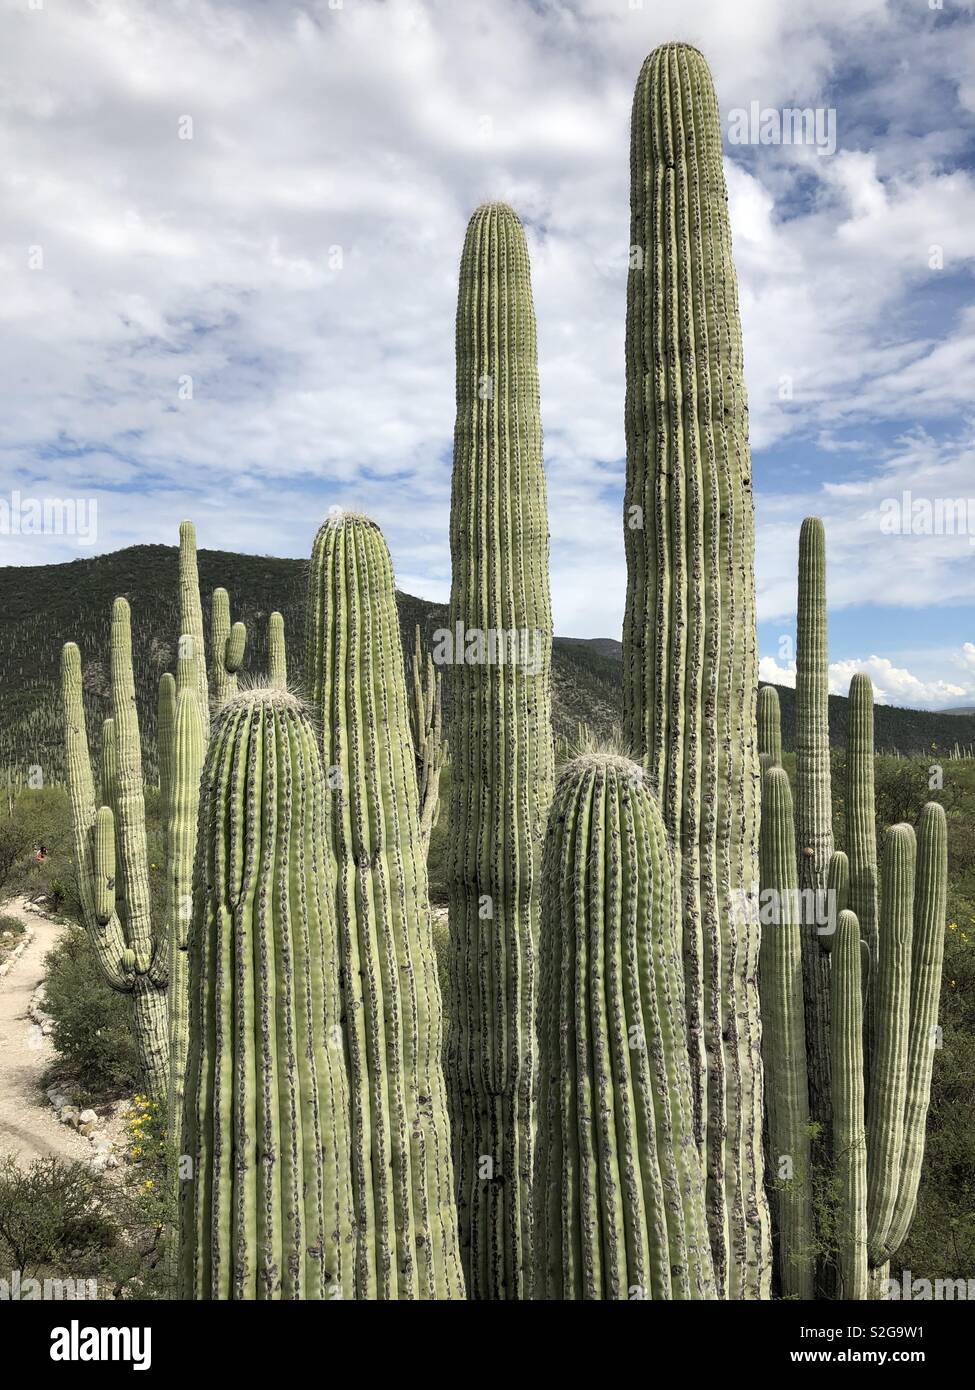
{"points": [[47, 605]]}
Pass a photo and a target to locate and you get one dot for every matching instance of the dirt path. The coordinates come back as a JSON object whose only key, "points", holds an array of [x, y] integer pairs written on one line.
{"points": [[28, 1128]]}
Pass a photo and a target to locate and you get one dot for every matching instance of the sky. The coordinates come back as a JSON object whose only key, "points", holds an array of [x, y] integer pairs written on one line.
{"points": [[229, 243]]}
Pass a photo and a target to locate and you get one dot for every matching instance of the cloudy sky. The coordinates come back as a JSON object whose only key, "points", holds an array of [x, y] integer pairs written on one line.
{"points": [[229, 246]]}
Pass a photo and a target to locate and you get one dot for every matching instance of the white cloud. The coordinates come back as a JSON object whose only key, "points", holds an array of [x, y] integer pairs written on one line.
{"points": [[296, 259], [892, 685]]}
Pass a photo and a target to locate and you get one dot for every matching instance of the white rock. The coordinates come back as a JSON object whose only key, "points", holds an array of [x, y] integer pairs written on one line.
{"points": [[88, 1117]]}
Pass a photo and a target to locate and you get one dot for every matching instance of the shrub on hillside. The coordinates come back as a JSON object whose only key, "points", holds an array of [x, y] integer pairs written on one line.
{"points": [[92, 1031]]}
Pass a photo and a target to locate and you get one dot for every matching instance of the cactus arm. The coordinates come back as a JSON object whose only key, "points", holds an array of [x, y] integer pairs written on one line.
{"points": [[849, 1136], [784, 1040], [769, 727], [837, 898], [926, 959], [277, 658], [108, 940], [191, 611], [103, 867], [234, 654], [690, 664], [268, 1212], [888, 1082], [814, 833]]}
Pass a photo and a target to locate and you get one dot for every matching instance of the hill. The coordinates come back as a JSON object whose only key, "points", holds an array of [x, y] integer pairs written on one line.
{"points": [[41, 607]]}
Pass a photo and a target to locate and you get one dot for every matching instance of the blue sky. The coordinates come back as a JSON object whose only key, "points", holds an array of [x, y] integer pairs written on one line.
{"points": [[249, 218]]}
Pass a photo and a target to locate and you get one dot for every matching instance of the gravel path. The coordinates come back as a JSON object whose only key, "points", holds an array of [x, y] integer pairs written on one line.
{"points": [[28, 1128]]}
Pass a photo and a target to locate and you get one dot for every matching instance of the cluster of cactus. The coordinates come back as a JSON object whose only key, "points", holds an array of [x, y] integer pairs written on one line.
{"points": [[850, 977], [591, 1126]]}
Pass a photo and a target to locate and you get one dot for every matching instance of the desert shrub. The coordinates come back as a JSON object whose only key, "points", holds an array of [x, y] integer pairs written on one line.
{"points": [[92, 1031], [13, 845], [51, 1217]]}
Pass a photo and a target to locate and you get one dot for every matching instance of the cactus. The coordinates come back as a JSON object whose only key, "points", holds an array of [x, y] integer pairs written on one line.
{"points": [[401, 1164], [690, 664], [426, 727], [187, 766], [619, 1209], [849, 1135], [814, 824], [165, 719], [501, 751], [191, 613], [267, 1213], [769, 727], [228, 642], [127, 954], [784, 1042], [882, 989], [277, 660]]}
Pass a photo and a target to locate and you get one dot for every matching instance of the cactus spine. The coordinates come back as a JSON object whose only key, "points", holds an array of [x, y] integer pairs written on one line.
{"points": [[401, 1165], [619, 1186], [784, 1043], [689, 641], [268, 1214], [501, 752]]}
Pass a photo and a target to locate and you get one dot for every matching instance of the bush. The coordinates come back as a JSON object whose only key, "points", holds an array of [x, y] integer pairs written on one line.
{"points": [[51, 1216], [92, 1030]]}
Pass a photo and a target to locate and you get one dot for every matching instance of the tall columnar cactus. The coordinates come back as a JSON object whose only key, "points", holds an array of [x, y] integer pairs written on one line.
{"points": [[191, 612], [784, 1043], [814, 806], [402, 1178], [165, 720], [277, 657], [127, 954], [861, 825], [619, 1190], [501, 751], [769, 727], [426, 727], [689, 642], [848, 1090], [187, 765], [267, 1211]]}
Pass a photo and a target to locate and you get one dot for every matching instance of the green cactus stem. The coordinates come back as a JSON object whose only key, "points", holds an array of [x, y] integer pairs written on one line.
{"points": [[402, 1178], [784, 1041], [501, 752], [426, 727], [888, 1084], [267, 1210], [769, 727], [103, 863], [188, 754], [191, 612], [619, 1185], [228, 642], [814, 813], [165, 718], [849, 1135], [861, 831], [277, 659], [690, 660]]}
